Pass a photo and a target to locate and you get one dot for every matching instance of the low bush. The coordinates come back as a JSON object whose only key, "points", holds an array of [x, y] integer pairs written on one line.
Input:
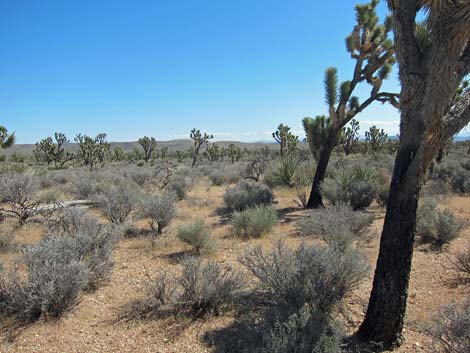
{"points": [[160, 209], [253, 222], [139, 175], [225, 176], [436, 227], [204, 288], [91, 241], [284, 173], [50, 196], [85, 185], [7, 242], [305, 331], [19, 192], [198, 235], [451, 329], [247, 195], [338, 226], [301, 288], [462, 263], [179, 185], [355, 186], [313, 275], [58, 268], [461, 181], [117, 202]]}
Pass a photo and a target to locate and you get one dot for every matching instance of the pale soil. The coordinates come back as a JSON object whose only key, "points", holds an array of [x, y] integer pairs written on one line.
{"points": [[92, 327]]}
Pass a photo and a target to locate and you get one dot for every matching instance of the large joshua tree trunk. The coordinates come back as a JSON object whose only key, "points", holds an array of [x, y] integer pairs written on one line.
{"points": [[315, 200], [387, 305], [430, 73]]}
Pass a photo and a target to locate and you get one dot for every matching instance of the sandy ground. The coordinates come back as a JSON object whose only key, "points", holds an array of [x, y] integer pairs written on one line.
{"points": [[92, 327]]}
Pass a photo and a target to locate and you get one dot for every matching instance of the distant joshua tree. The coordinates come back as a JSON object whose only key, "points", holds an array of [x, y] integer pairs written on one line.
{"points": [[92, 151], [286, 140], [351, 137], [49, 151], [375, 138], [199, 140], [149, 145]]}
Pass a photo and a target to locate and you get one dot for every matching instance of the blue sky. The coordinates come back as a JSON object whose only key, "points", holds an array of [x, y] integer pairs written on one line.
{"points": [[159, 68]]}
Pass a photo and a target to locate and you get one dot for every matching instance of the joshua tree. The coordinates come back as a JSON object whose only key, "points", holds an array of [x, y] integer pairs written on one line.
{"points": [[199, 139], [434, 58], [370, 47], [49, 151], [92, 151], [6, 140], [213, 152], [350, 137], [233, 152], [118, 154], [286, 140], [148, 144], [163, 152], [376, 138], [316, 131]]}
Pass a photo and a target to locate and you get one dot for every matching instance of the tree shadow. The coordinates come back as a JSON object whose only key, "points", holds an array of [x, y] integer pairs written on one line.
{"points": [[175, 258], [289, 214]]}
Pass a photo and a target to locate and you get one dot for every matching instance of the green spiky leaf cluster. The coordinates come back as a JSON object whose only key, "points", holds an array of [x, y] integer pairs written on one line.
{"points": [[286, 139], [6, 140], [316, 132]]}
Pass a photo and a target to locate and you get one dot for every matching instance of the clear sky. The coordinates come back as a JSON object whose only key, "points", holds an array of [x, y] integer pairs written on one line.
{"points": [[234, 68]]}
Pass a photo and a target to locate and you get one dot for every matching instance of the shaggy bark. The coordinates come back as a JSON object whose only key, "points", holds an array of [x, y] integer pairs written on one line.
{"points": [[426, 123]]}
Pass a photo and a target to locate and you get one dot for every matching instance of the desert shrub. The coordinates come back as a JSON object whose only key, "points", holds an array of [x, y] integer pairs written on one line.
{"points": [[7, 242], [198, 235], [383, 190], [50, 196], [141, 176], [224, 176], [301, 288], [451, 329], [362, 195], [59, 177], [445, 171], [91, 241], [448, 228], [207, 287], [354, 186], [52, 285], [253, 222], [338, 226], [461, 181], [284, 173], [204, 288], [160, 209], [117, 202], [434, 226], [465, 165], [246, 195], [305, 331], [19, 192], [310, 275], [462, 263], [85, 185], [426, 219], [179, 185]]}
